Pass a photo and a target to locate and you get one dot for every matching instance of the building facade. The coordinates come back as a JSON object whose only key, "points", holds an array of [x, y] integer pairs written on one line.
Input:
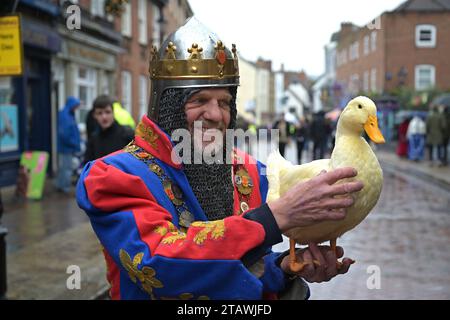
{"points": [[101, 53], [407, 47]]}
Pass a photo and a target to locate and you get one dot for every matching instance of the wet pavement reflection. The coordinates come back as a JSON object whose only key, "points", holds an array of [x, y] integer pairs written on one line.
{"points": [[31, 221]]}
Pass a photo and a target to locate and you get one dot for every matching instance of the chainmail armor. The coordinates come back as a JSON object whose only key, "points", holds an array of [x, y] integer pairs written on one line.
{"points": [[211, 183]]}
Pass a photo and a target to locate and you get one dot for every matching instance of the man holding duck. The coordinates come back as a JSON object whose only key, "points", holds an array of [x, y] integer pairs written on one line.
{"points": [[189, 230]]}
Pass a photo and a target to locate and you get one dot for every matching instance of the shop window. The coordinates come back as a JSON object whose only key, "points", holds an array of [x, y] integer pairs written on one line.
{"points": [[86, 90]]}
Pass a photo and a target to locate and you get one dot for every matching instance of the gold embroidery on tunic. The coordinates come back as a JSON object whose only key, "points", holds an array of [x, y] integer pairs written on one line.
{"points": [[146, 276], [215, 228], [147, 134]]}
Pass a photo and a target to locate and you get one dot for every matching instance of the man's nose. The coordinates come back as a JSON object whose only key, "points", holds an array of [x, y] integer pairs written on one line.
{"points": [[213, 111]]}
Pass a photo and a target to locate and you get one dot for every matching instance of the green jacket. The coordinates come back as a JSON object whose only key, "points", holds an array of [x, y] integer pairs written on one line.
{"points": [[436, 128]]}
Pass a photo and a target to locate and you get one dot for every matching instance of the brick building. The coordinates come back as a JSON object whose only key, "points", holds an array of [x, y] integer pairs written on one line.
{"points": [[408, 46], [143, 24]]}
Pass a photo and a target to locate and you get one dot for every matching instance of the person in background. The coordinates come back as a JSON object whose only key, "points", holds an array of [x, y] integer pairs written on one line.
{"points": [[320, 132], [402, 145], [112, 136], [436, 127], [284, 133], [92, 125], [68, 144], [301, 133], [445, 110], [416, 138], [122, 116]]}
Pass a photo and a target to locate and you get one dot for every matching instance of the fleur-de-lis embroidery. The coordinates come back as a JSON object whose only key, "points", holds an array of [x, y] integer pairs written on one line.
{"points": [[216, 229], [147, 134], [173, 237], [146, 276]]}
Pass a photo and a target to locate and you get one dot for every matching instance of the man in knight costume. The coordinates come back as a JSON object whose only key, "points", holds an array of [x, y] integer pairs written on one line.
{"points": [[174, 229]]}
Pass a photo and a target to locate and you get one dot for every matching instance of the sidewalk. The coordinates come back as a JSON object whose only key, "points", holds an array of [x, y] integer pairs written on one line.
{"points": [[44, 238], [422, 170]]}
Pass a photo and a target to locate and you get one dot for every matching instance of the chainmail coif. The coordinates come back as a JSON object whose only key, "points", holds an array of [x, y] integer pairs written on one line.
{"points": [[211, 183]]}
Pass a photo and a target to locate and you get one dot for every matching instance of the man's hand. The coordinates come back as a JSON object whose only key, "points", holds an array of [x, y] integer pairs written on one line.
{"points": [[326, 258], [316, 200]]}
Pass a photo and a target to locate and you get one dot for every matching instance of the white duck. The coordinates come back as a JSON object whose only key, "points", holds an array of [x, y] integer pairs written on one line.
{"points": [[350, 150]]}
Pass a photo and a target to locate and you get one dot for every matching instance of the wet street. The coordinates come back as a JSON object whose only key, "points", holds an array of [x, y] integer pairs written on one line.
{"points": [[404, 241]]}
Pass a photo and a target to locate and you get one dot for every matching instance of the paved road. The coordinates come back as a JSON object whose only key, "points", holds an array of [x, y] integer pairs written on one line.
{"points": [[405, 238]]}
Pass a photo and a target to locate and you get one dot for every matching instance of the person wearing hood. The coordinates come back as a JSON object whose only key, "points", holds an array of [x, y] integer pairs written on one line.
{"points": [[68, 143]]}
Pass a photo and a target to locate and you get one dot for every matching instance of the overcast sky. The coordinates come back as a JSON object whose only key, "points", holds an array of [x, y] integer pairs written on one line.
{"points": [[292, 32]]}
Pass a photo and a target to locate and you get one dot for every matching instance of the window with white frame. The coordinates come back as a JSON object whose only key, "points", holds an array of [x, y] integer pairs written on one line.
{"points": [[366, 48], [126, 20], [373, 80], [85, 89], [354, 83], [126, 91], [142, 17], [373, 41], [143, 92], [425, 36], [356, 50], [366, 81], [425, 76], [98, 8], [156, 35]]}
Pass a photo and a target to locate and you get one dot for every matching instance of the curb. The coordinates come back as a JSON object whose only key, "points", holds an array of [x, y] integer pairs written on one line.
{"points": [[102, 294], [417, 173]]}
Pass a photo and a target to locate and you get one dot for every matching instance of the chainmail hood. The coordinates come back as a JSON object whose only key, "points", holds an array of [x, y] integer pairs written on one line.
{"points": [[211, 183]]}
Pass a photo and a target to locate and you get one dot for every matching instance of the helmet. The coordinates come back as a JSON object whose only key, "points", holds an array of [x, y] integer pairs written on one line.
{"points": [[191, 57]]}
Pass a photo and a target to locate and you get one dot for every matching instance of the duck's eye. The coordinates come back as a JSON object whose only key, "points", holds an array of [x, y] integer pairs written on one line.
{"points": [[359, 106]]}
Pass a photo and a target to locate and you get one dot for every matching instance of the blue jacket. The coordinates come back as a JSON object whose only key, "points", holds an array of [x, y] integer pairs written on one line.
{"points": [[68, 133]]}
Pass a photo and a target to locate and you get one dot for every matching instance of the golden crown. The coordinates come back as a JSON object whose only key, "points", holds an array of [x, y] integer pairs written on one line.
{"points": [[219, 66]]}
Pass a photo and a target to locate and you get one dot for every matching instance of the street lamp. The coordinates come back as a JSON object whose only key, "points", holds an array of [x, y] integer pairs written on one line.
{"points": [[3, 232]]}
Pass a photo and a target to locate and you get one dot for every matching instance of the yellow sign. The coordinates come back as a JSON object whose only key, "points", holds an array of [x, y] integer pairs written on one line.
{"points": [[10, 46]]}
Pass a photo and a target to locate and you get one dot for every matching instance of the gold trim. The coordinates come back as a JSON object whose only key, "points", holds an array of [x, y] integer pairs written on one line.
{"points": [[147, 133], [195, 69]]}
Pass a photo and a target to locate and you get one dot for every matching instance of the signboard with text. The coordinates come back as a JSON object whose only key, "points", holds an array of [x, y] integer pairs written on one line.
{"points": [[10, 46]]}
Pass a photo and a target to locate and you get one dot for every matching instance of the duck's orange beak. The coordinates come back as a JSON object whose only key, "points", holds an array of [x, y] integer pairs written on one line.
{"points": [[372, 130]]}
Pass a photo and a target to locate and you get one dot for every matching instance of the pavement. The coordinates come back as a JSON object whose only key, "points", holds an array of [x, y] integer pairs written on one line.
{"points": [[48, 243], [405, 238]]}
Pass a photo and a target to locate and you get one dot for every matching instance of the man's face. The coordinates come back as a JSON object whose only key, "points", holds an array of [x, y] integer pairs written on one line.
{"points": [[212, 108], [104, 117]]}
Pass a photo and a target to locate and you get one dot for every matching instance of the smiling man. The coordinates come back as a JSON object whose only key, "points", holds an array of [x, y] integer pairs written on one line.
{"points": [[199, 230]]}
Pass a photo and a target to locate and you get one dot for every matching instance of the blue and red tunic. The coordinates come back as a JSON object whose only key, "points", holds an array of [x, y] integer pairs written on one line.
{"points": [[159, 244]]}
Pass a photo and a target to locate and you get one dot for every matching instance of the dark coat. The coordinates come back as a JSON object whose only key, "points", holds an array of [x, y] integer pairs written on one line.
{"points": [[107, 141]]}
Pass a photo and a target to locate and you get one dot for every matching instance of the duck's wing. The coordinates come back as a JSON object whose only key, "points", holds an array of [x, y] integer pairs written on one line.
{"points": [[288, 177], [282, 174]]}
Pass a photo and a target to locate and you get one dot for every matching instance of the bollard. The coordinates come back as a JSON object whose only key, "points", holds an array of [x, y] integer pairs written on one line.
{"points": [[3, 232]]}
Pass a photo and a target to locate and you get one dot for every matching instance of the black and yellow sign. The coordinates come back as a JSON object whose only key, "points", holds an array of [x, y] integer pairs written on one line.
{"points": [[10, 46]]}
